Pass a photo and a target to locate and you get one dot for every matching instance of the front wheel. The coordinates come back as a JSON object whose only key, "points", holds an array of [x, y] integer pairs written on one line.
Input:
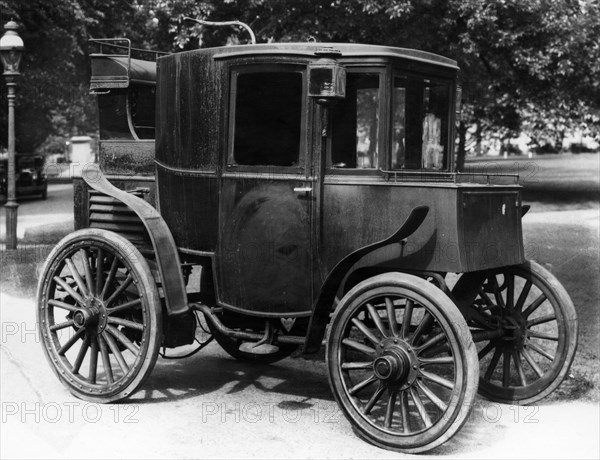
{"points": [[402, 365], [99, 315]]}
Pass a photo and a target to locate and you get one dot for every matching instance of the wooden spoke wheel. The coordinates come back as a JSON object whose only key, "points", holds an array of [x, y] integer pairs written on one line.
{"points": [[99, 315], [528, 329], [402, 365]]}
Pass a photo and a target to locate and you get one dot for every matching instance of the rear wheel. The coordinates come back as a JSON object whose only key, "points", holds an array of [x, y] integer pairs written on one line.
{"points": [[536, 326], [401, 363], [99, 315]]}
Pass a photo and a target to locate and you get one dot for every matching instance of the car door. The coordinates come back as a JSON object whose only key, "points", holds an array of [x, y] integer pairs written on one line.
{"points": [[265, 253]]}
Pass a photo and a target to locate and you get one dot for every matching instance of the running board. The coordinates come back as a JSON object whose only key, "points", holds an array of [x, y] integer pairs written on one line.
{"points": [[252, 336]]}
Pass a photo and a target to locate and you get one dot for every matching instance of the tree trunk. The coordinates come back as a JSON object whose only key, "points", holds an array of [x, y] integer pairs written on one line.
{"points": [[461, 153], [478, 138]]}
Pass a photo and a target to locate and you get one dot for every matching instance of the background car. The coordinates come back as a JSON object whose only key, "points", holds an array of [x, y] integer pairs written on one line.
{"points": [[30, 176]]}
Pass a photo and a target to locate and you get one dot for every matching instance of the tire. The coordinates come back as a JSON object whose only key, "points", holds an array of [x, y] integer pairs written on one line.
{"points": [[538, 332], [396, 337], [116, 315]]}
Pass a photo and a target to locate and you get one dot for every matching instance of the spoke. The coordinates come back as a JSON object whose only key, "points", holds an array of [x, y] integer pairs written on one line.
{"points": [[541, 320], [365, 330], [420, 407], [523, 296], [438, 360], [77, 277], [88, 270], [105, 360], [93, 360], [498, 293], [131, 304], [120, 290], [376, 319], [539, 335], [70, 290], [109, 278], [532, 363], [534, 306], [441, 405], [63, 305], [506, 369], [123, 339], [389, 410], [99, 270], [374, 398], [539, 351], [126, 323], [391, 313], [407, 318], [69, 343], [359, 386], [404, 411], [437, 379], [486, 350], [510, 291], [486, 299], [433, 341], [493, 364], [519, 367], [356, 366], [80, 355], [59, 326], [359, 346], [423, 327], [116, 352]]}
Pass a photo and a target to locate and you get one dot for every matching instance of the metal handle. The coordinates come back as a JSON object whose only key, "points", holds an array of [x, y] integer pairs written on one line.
{"points": [[302, 189]]}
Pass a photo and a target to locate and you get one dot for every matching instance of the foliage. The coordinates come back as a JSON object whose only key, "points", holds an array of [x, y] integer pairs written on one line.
{"points": [[530, 65]]}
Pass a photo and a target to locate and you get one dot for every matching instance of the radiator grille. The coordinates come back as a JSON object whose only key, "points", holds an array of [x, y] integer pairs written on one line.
{"points": [[111, 214]]}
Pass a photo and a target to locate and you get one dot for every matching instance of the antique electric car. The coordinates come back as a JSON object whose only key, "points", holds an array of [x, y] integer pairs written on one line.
{"points": [[295, 195]]}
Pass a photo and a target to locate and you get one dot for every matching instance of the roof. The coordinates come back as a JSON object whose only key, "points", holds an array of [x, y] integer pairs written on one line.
{"points": [[119, 71], [308, 49]]}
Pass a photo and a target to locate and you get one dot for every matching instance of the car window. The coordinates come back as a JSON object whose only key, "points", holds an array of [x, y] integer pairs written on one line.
{"points": [[356, 130], [267, 118]]}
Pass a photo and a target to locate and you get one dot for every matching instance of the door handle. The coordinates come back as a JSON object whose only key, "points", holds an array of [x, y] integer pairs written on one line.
{"points": [[302, 189]]}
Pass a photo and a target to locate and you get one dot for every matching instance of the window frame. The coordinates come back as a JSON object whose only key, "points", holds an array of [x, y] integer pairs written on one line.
{"points": [[234, 72], [384, 71], [434, 78]]}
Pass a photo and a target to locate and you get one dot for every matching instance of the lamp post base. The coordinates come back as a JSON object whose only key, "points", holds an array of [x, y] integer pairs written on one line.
{"points": [[11, 224]]}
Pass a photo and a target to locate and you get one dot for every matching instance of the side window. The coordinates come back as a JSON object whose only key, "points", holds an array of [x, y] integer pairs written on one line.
{"points": [[420, 124], [267, 124], [356, 129], [142, 100]]}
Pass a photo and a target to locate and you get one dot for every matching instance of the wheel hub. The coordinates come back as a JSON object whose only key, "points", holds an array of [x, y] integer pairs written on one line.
{"points": [[396, 363], [513, 328], [92, 317]]}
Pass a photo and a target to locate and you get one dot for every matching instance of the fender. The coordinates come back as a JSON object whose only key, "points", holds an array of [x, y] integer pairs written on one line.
{"points": [[323, 305], [167, 256]]}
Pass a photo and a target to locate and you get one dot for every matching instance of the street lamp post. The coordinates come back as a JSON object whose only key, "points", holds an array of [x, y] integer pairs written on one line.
{"points": [[11, 47]]}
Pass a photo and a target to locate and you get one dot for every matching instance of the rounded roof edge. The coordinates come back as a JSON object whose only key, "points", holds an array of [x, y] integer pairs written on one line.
{"points": [[308, 49]]}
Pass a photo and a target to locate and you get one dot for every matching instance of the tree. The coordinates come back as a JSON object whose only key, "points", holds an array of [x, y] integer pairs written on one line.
{"points": [[522, 61]]}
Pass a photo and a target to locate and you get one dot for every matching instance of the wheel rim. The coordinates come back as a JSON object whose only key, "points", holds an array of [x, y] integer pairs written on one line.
{"points": [[531, 352], [407, 385], [95, 320]]}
